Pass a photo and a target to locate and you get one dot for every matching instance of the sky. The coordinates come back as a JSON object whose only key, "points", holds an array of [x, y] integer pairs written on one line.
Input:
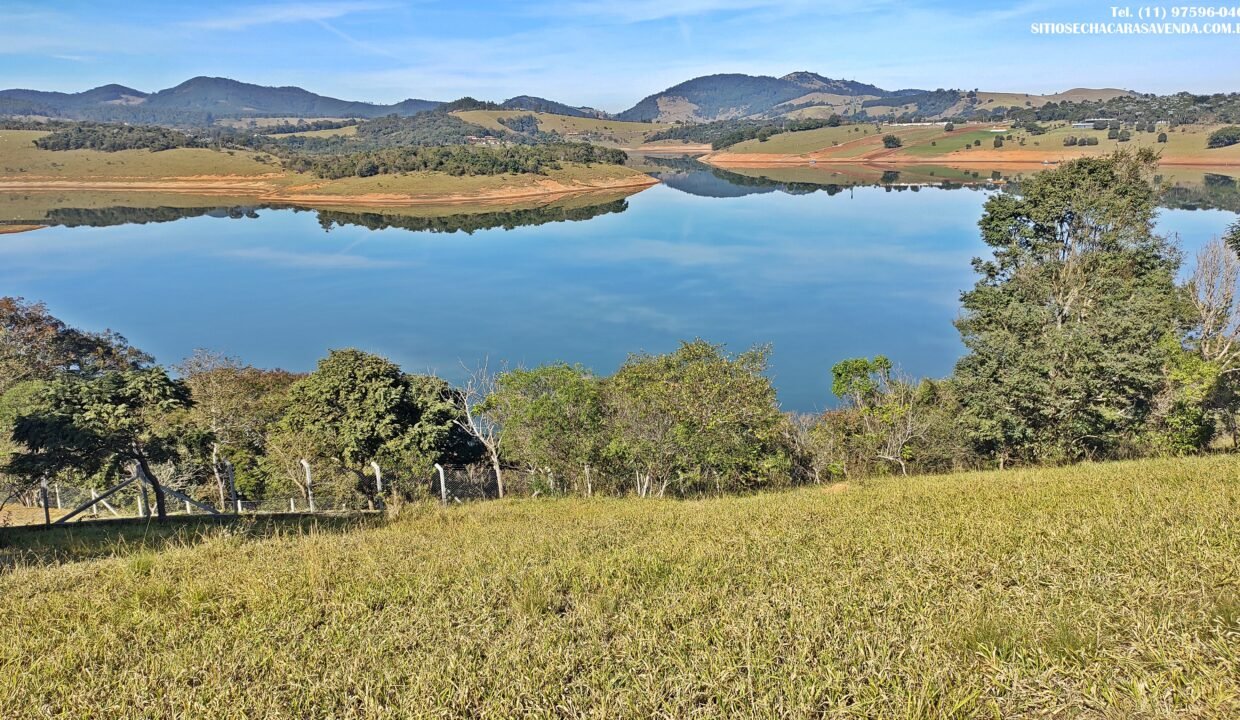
{"points": [[603, 53]]}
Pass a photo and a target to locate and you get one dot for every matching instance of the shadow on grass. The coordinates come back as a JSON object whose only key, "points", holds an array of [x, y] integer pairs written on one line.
{"points": [[39, 545]]}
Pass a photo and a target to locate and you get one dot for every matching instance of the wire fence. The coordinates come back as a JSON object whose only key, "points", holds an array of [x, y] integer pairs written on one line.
{"points": [[330, 495]]}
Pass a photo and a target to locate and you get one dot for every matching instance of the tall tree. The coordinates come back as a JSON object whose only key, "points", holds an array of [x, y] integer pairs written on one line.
{"points": [[91, 425], [554, 421], [359, 409], [1064, 327], [698, 420], [235, 404], [36, 345]]}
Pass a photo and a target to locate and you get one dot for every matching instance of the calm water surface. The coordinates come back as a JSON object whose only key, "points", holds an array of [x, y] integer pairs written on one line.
{"points": [[821, 277]]}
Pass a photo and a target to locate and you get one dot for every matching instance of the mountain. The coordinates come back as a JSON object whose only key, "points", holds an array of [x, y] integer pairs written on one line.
{"points": [[202, 101], [714, 97], [731, 96], [197, 101], [817, 83], [537, 104], [39, 102], [230, 98]]}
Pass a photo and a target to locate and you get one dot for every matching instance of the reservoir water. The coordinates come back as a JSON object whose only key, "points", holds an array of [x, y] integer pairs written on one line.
{"points": [[820, 273]]}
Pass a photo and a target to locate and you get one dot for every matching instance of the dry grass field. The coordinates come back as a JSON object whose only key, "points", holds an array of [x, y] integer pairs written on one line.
{"points": [[973, 143], [1099, 591], [28, 173]]}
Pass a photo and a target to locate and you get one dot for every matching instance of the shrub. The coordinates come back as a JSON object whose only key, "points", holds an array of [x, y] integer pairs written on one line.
{"points": [[1223, 137]]}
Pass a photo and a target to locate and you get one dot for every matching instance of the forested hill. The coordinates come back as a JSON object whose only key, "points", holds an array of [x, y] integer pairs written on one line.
{"points": [[197, 101]]}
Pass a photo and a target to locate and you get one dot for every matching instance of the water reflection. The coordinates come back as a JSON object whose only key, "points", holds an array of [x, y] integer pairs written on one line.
{"points": [[848, 270], [466, 222]]}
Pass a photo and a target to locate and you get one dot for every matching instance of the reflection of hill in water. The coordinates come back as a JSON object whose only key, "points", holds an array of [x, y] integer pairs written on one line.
{"points": [[1186, 191], [1216, 192], [109, 216], [463, 222], [697, 178], [468, 223]]}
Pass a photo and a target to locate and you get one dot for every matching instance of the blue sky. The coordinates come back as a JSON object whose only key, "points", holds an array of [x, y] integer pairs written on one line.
{"points": [[607, 54]]}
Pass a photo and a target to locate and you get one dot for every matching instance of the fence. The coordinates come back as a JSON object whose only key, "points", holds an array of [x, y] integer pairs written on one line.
{"points": [[331, 494]]}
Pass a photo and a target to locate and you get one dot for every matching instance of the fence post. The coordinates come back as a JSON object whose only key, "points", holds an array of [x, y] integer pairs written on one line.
{"points": [[305, 464], [187, 510], [58, 507], [232, 486], [292, 505], [94, 508], [443, 487], [47, 512]]}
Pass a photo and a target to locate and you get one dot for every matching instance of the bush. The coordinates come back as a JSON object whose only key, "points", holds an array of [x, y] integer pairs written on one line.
{"points": [[114, 138], [892, 142], [998, 142], [1224, 137]]}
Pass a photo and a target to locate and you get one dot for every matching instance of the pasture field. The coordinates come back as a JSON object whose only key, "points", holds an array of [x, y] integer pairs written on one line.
{"points": [[346, 131], [1108, 591], [28, 173], [806, 141], [1185, 145], [21, 160], [594, 130]]}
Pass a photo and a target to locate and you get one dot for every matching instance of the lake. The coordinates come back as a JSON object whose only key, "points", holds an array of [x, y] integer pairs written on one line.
{"points": [[821, 271]]}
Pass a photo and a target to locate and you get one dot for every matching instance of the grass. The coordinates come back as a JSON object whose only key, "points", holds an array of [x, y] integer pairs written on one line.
{"points": [[1106, 591], [233, 173], [795, 143], [21, 160], [346, 131], [1186, 145]]}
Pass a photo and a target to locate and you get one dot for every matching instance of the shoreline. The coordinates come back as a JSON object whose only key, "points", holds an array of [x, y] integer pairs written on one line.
{"points": [[266, 192], [769, 160]]}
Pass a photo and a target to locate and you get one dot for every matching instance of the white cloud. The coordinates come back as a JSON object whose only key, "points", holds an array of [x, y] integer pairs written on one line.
{"points": [[287, 13]]}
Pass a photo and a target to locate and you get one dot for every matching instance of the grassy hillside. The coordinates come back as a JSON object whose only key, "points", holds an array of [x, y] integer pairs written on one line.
{"points": [[1092, 591], [240, 174], [923, 143], [20, 159], [581, 129]]}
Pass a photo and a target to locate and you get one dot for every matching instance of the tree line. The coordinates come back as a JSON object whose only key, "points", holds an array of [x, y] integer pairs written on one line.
{"points": [[114, 138], [1081, 344], [455, 160], [726, 133]]}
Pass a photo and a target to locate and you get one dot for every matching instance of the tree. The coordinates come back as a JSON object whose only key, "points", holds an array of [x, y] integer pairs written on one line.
{"points": [[885, 416], [892, 141], [358, 409], [98, 424], [554, 420], [1063, 328], [483, 422], [1162, 137], [697, 420], [35, 345], [998, 142], [1224, 137], [948, 127], [234, 404]]}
